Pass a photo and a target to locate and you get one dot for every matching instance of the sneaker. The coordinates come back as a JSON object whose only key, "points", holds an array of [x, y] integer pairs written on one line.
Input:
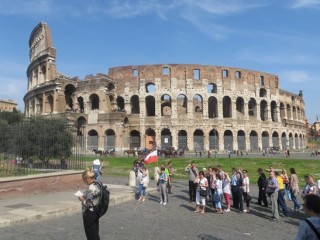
{"points": [[164, 203], [161, 202], [301, 208], [227, 210], [245, 210]]}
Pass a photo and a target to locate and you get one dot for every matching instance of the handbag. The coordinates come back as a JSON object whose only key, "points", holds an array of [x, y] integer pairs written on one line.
{"points": [[203, 193], [248, 198]]}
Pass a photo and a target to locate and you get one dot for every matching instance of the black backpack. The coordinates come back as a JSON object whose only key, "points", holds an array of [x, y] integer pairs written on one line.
{"points": [[103, 204]]}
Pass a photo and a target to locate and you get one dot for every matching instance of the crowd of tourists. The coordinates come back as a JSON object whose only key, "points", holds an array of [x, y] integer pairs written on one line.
{"points": [[213, 187]]}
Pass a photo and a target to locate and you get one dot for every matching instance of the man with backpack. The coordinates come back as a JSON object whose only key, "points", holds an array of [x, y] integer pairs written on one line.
{"points": [[95, 202]]}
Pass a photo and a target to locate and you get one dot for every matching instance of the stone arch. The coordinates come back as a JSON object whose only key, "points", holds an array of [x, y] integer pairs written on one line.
{"points": [[282, 110], [227, 107], [166, 108], [214, 140], [241, 139], [284, 143], [150, 138], [182, 104], [274, 111], [294, 113], [263, 92], [68, 94], [135, 141], [135, 105], [252, 107], [120, 103], [49, 104], [197, 103], [166, 138], [81, 104], [81, 122], [109, 140], [150, 106], [240, 107], [296, 141], [212, 88], [92, 139], [228, 140], [198, 140], [182, 140], [275, 139], [264, 110], [265, 140], [212, 107], [254, 141], [288, 111], [150, 87], [290, 140], [94, 100]]}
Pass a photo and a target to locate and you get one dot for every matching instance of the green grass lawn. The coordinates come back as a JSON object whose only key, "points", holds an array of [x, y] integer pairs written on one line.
{"points": [[122, 166]]}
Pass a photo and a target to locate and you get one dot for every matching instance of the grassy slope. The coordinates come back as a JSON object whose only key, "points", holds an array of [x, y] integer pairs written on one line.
{"points": [[122, 166]]}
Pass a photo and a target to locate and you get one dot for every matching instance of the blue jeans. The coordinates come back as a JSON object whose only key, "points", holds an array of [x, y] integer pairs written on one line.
{"points": [[296, 204], [281, 202], [142, 190]]}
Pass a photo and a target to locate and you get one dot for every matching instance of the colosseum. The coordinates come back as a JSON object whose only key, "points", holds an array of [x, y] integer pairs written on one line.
{"points": [[188, 106]]}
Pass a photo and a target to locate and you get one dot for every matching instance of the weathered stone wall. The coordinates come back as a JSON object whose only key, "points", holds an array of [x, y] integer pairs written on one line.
{"points": [[34, 184]]}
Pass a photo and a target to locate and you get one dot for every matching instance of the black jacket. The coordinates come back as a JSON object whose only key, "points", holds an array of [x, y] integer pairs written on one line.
{"points": [[262, 181]]}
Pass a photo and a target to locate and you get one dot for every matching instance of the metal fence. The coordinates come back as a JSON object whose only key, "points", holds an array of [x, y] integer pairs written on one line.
{"points": [[27, 148]]}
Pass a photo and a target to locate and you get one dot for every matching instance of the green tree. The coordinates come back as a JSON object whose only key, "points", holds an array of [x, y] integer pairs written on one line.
{"points": [[44, 139]]}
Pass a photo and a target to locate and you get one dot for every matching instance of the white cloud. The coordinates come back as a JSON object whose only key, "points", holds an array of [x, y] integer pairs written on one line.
{"points": [[306, 4]]}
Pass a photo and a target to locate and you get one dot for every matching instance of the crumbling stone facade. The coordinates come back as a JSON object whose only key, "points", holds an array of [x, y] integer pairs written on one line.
{"points": [[190, 106]]}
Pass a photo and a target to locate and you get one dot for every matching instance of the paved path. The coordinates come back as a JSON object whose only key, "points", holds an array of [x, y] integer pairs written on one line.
{"points": [[143, 220]]}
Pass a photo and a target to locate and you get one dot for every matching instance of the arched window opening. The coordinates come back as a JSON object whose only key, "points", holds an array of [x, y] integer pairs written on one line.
{"points": [[212, 88], [134, 139], [68, 94], [109, 140], [263, 110], [150, 88], [166, 105], [227, 107], [150, 139], [212, 107], [94, 99], [150, 106], [241, 139], [166, 139], [135, 106], [214, 140], [120, 104], [228, 140], [92, 139], [240, 107], [182, 140], [254, 145], [274, 111], [263, 92], [198, 140], [182, 104]]}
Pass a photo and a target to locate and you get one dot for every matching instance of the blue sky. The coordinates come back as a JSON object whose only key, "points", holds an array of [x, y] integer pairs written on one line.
{"points": [[276, 36]]}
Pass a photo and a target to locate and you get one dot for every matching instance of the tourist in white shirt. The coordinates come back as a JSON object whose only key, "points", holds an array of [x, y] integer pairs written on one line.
{"points": [[246, 190]]}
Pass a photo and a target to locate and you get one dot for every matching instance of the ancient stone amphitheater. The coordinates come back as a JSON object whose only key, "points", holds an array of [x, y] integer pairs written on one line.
{"points": [[189, 106]]}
